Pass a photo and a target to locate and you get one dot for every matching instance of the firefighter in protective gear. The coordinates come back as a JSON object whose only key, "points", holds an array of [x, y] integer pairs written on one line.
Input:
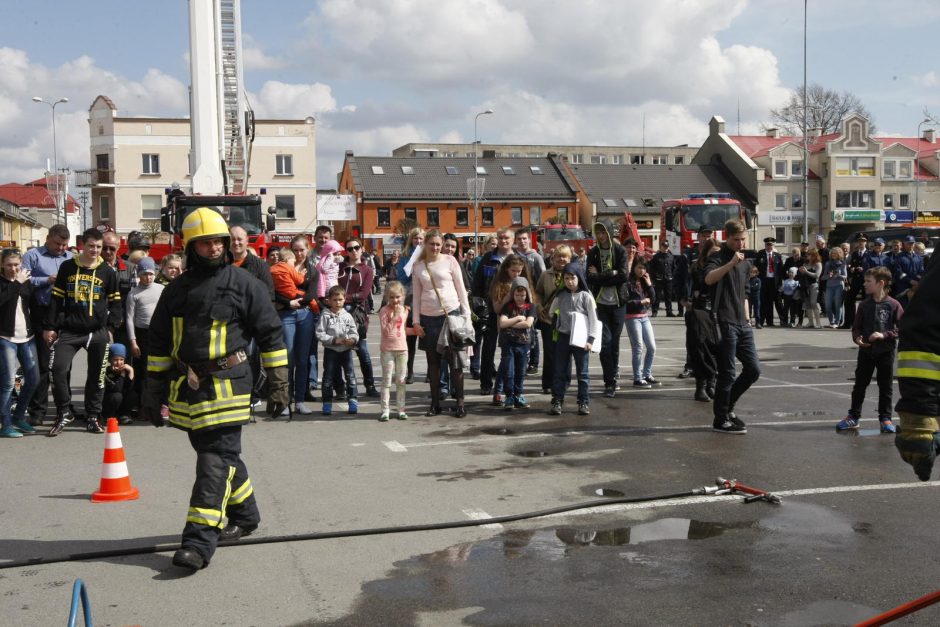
{"points": [[918, 436], [198, 367]]}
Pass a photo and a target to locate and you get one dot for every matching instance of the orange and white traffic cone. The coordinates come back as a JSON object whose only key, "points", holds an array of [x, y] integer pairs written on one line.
{"points": [[115, 480]]}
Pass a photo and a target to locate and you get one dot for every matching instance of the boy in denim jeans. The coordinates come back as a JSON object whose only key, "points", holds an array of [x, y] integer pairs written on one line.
{"points": [[515, 328], [337, 331], [575, 298]]}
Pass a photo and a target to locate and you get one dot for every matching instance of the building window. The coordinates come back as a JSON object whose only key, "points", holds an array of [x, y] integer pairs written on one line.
{"points": [[507, 169], [104, 207], [284, 165], [889, 201], [285, 207], [463, 216], [434, 216], [904, 201], [610, 202], [796, 168], [487, 216], [411, 213], [516, 213], [855, 166], [377, 169], [385, 217], [151, 164], [599, 159], [797, 201], [481, 170], [534, 169], [563, 215], [660, 159], [897, 169], [577, 158], [535, 215], [617, 159], [796, 234], [780, 168], [679, 160], [780, 201], [150, 206], [780, 234], [636, 159], [854, 199], [407, 169], [452, 170]]}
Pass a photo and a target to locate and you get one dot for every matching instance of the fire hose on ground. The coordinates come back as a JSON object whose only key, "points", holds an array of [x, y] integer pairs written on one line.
{"points": [[721, 487]]}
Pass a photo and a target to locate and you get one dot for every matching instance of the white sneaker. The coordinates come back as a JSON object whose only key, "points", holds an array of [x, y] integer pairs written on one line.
{"points": [[301, 408]]}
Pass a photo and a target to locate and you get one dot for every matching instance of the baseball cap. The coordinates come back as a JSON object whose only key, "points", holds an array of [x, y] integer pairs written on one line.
{"points": [[118, 350], [145, 265], [910, 239], [879, 241]]}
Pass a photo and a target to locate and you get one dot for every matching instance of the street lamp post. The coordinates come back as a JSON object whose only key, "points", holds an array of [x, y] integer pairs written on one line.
{"points": [[917, 170], [476, 182], [59, 204]]}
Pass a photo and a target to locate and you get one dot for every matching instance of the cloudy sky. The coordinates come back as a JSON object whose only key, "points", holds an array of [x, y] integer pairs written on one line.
{"points": [[380, 73]]}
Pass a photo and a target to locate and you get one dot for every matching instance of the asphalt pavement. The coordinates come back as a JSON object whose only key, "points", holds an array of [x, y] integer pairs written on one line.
{"points": [[852, 536]]}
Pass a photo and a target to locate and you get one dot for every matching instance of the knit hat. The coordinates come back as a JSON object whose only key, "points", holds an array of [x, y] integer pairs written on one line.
{"points": [[145, 265], [118, 350]]}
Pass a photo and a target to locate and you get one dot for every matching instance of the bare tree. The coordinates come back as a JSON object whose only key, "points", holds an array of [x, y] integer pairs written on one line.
{"points": [[151, 229], [825, 109], [404, 226]]}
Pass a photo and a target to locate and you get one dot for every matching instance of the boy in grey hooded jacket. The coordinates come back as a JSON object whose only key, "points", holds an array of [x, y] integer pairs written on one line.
{"points": [[576, 298], [336, 330]]}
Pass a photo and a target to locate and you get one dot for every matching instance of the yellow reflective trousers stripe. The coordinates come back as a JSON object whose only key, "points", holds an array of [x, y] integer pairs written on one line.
{"points": [[919, 365]]}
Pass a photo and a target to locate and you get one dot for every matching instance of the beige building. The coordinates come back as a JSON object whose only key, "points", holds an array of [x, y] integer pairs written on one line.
{"points": [[598, 155], [134, 161], [855, 181]]}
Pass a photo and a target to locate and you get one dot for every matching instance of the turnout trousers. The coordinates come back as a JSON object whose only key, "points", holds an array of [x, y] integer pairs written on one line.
{"points": [[222, 493]]}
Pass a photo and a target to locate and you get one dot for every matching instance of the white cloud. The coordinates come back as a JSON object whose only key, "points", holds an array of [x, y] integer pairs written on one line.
{"points": [[293, 101], [26, 127], [929, 79], [254, 58]]}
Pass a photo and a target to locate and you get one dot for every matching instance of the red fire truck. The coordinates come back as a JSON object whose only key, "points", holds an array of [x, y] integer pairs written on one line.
{"points": [[681, 219], [547, 237]]}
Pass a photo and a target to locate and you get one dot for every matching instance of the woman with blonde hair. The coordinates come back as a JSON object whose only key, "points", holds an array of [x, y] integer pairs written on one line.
{"points": [[438, 292], [836, 272]]}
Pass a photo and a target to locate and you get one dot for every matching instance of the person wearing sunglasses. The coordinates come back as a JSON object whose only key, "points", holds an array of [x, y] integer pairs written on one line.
{"points": [[357, 277], [43, 263]]}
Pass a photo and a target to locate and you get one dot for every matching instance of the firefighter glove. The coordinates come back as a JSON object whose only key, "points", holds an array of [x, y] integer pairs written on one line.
{"points": [[918, 441], [278, 387]]}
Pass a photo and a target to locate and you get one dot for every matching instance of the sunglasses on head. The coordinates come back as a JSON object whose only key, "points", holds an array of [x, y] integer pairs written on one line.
{"points": [[353, 248]]}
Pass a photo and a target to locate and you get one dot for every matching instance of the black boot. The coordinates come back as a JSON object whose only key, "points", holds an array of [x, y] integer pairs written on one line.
{"points": [[710, 389], [700, 394]]}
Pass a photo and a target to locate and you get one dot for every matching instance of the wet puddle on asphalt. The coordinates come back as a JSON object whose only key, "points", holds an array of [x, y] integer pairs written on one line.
{"points": [[584, 574]]}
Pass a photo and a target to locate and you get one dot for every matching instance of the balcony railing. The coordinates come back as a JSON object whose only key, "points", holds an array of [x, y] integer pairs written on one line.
{"points": [[93, 178]]}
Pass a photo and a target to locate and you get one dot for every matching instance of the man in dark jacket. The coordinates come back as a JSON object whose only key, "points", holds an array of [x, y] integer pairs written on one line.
{"points": [[607, 276], [250, 263], [856, 263], [769, 266], [918, 436], [85, 309], [727, 273], [663, 269]]}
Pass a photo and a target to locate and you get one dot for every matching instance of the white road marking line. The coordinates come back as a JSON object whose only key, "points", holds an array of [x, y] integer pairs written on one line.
{"points": [[358, 444], [575, 432], [479, 514], [731, 498], [815, 386], [395, 447]]}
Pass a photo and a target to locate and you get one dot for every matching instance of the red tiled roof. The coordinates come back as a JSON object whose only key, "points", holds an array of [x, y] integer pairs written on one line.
{"points": [[761, 145], [925, 148], [33, 194]]}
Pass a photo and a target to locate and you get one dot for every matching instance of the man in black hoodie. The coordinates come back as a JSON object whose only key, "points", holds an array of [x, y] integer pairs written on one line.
{"points": [[84, 311], [607, 276]]}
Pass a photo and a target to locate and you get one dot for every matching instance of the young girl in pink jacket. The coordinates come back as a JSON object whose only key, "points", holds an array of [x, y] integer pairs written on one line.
{"points": [[393, 347]]}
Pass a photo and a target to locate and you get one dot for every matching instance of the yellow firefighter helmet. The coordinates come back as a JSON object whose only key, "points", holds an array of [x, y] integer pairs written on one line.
{"points": [[203, 223]]}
